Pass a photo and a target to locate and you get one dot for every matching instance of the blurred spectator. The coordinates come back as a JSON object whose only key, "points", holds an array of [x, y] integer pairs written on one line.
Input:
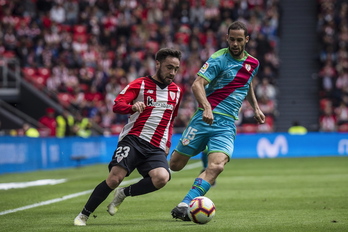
{"points": [[247, 113], [92, 95], [267, 106], [10, 39], [328, 75], [297, 129], [342, 111], [57, 13], [82, 126], [79, 44], [48, 121], [30, 131], [265, 88], [328, 120], [72, 10], [65, 123], [268, 73]]}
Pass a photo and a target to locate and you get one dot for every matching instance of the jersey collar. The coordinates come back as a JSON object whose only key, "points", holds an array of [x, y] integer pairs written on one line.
{"points": [[246, 54], [161, 85]]}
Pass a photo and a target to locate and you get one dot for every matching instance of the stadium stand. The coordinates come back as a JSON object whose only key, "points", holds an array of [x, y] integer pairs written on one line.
{"points": [[333, 58], [83, 52]]}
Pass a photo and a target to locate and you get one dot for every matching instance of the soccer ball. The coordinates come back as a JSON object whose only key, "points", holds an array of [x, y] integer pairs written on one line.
{"points": [[201, 210]]}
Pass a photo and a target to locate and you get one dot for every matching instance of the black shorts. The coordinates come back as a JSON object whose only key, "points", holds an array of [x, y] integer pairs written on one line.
{"points": [[133, 152]]}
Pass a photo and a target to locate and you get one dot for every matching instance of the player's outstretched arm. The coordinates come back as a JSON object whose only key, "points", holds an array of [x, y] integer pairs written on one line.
{"points": [[259, 116]]}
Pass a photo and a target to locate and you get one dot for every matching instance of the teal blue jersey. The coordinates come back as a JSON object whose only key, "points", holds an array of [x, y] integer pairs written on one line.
{"points": [[229, 81]]}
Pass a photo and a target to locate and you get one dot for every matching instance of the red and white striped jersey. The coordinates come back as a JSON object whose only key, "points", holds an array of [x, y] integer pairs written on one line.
{"points": [[155, 123]]}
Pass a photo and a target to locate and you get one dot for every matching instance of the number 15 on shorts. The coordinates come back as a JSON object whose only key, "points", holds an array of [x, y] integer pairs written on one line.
{"points": [[190, 134]]}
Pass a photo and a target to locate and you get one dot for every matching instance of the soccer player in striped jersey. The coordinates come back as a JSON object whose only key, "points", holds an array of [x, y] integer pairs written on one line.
{"points": [[144, 142], [222, 84]]}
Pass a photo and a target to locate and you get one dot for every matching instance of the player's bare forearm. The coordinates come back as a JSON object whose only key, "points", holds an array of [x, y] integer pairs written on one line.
{"points": [[200, 95], [259, 116], [199, 92]]}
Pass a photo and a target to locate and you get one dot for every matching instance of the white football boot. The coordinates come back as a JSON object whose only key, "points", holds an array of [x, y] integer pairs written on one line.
{"points": [[80, 220], [116, 202]]}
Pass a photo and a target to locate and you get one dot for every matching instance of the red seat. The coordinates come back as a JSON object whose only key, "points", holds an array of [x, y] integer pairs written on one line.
{"points": [[44, 72], [84, 87], [343, 128], [152, 45], [239, 129], [267, 127], [116, 129], [8, 54], [80, 29], [80, 37], [249, 128], [111, 55], [39, 81], [28, 72], [44, 132], [26, 20], [65, 99], [64, 27]]}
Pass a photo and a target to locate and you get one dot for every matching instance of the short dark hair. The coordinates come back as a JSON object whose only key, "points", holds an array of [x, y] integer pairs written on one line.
{"points": [[237, 25], [163, 53]]}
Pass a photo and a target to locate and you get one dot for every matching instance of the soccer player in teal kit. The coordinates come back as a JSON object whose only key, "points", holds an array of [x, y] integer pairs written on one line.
{"points": [[222, 84]]}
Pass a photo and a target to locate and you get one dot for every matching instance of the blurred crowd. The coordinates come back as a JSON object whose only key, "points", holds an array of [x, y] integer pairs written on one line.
{"points": [[84, 52], [333, 57]]}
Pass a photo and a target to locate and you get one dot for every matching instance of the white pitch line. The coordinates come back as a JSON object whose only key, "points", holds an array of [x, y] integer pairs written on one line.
{"points": [[190, 166], [7, 186]]}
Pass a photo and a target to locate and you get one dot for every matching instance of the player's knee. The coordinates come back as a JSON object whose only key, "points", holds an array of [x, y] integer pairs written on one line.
{"points": [[113, 182], [175, 166], [217, 167], [159, 181]]}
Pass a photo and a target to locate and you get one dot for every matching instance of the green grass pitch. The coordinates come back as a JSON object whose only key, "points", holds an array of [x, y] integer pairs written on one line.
{"points": [[290, 195]]}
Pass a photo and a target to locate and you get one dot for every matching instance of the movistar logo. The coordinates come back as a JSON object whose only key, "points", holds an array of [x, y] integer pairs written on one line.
{"points": [[151, 102], [265, 149]]}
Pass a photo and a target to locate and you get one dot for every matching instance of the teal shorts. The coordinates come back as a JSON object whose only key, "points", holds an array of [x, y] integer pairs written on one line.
{"points": [[218, 137]]}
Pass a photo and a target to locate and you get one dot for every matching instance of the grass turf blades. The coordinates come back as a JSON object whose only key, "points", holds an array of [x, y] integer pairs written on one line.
{"points": [[297, 194]]}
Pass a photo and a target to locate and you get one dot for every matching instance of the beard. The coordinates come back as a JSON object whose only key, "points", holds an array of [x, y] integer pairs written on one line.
{"points": [[238, 53], [165, 80]]}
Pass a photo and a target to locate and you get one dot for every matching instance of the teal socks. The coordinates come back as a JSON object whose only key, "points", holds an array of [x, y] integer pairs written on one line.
{"points": [[199, 188]]}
